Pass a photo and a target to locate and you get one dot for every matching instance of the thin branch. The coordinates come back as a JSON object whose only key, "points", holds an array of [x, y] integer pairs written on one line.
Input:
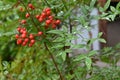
{"points": [[53, 59], [30, 16]]}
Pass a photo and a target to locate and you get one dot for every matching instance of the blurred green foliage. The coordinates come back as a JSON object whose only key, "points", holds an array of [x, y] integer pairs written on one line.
{"points": [[34, 63]]}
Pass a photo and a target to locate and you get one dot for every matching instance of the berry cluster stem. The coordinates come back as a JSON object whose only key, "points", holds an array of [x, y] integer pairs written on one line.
{"points": [[53, 59], [30, 15]]}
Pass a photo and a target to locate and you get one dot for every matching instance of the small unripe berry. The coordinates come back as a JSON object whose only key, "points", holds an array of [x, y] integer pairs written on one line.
{"points": [[21, 9]]}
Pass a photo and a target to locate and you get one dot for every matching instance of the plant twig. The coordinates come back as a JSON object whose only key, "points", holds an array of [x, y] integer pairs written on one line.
{"points": [[53, 59], [30, 16]]}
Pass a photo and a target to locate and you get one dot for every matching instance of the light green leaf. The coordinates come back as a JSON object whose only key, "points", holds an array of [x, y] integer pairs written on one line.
{"points": [[58, 32], [64, 29], [102, 40], [60, 45], [107, 5], [80, 57], [68, 50], [59, 39], [92, 3], [100, 34], [112, 9], [78, 46], [118, 6], [63, 54], [91, 53], [88, 62]]}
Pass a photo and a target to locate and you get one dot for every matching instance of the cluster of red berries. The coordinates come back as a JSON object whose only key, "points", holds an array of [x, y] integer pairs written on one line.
{"points": [[24, 38], [47, 17]]}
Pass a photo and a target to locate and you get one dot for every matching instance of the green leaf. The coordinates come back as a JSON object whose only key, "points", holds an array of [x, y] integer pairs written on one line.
{"points": [[59, 39], [64, 29], [76, 46], [80, 57], [59, 45], [118, 6], [92, 3], [88, 62], [102, 40], [91, 53], [58, 32], [101, 9], [68, 50], [63, 54], [112, 9], [107, 5], [100, 34], [82, 20]]}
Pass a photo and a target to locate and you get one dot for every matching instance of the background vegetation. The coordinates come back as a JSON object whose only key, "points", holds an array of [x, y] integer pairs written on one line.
{"points": [[36, 63]]}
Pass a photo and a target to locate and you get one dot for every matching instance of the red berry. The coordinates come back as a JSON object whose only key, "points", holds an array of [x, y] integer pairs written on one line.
{"points": [[32, 41], [21, 31], [24, 43], [18, 29], [19, 41], [40, 33], [48, 22], [26, 40], [16, 36], [30, 5], [31, 36], [50, 17], [53, 26], [24, 32], [23, 21], [23, 35], [57, 22], [48, 13], [30, 45], [47, 9], [43, 15], [27, 15], [37, 16], [24, 29], [40, 19]]}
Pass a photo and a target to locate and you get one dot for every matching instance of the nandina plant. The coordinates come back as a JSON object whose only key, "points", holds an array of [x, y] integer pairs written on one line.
{"points": [[44, 36]]}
